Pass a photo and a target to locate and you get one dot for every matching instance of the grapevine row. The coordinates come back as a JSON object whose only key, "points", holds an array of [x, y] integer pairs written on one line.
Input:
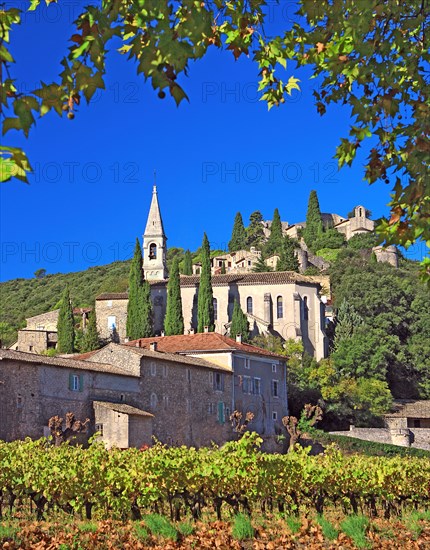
{"points": [[95, 482]]}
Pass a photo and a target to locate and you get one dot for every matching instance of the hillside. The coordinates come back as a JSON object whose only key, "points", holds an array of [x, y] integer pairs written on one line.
{"points": [[22, 298]]}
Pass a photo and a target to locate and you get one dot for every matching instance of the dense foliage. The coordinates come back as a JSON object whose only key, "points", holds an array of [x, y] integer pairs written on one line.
{"points": [[122, 484], [66, 324], [254, 231], [22, 298], [239, 323], [139, 307], [238, 235], [288, 260], [205, 307], [91, 339], [174, 320]]}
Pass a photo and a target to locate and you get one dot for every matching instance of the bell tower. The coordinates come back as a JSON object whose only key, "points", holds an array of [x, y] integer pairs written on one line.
{"points": [[154, 243]]}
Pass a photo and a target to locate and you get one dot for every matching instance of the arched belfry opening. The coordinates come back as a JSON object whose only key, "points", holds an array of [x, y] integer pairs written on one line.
{"points": [[152, 251]]}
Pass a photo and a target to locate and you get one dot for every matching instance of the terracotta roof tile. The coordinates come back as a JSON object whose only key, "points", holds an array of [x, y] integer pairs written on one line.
{"points": [[123, 408], [69, 362], [205, 342]]}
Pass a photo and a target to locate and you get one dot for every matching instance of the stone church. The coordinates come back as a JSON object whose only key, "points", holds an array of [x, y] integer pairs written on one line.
{"points": [[285, 304]]}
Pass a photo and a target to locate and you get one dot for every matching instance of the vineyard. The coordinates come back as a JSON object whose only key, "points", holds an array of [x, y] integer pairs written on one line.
{"points": [[42, 480]]}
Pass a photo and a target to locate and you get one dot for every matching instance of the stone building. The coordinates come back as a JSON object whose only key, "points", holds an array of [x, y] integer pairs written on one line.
{"points": [[181, 390], [40, 333], [283, 303], [259, 377]]}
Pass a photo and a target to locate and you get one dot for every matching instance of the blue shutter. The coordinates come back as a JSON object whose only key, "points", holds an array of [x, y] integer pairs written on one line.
{"points": [[221, 416]]}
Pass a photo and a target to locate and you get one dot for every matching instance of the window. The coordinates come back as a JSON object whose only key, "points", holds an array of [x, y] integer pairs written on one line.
{"points": [[220, 262], [246, 384], [273, 367], [211, 378], [99, 429], [152, 251], [227, 414], [30, 348], [76, 382], [305, 308], [249, 305], [211, 408], [215, 303], [165, 401], [40, 327], [153, 368], [274, 415], [164, 371], [249, 263], [275, 388], [218, 381], [188, 374], [279, 307], [19, 402], [257, 386], [111, 322], [122, 397], [247, 363], [153, 400], [109, 304]]}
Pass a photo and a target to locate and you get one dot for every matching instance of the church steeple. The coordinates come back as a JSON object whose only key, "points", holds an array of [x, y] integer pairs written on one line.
{"points": [[154, 243]]}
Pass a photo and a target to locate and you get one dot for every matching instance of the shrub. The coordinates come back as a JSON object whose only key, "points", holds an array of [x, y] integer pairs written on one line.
{"points": [[293, 523], [242, 528], [355, 527], [329, 532], [159, 525], [186, 528]]}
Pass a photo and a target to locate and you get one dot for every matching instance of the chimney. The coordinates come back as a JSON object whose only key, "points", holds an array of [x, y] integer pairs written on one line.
{"points": [[206, 329], [153, 346], [138, 344], [162, 333], [239, 338], [191, 331], [126, 339]]}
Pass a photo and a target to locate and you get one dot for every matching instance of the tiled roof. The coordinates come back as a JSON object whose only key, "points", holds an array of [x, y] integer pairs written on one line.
{"points": [[123, 408], [268, 278], [144, 351], [69, 362], [205, 342], [172, 356], [411, 409]]}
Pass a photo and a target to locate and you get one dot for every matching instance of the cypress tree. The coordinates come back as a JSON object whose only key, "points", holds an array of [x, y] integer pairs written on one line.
{"points": [[314, 225], [223, 271], [254, 231], [261, 267], [188, 263], [238, 235], [274, 242], [174, 321], [90, 340], [205, 307], [139, 309], [347, 322], [147, 317], [239, 323], [66, 324], [288, 261]]}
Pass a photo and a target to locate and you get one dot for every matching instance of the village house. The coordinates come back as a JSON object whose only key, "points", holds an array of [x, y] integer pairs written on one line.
{"points": [[146, 388]]}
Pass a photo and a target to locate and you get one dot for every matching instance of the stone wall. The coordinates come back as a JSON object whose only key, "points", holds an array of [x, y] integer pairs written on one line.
{"points": [[35, 341], [414, 437], [44, 321]]}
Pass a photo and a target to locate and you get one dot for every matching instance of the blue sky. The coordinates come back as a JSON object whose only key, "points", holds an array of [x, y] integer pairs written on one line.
{"points": [[221, 153]]}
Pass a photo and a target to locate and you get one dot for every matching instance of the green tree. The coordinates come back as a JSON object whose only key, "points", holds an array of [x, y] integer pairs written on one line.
{"points": [[187, 264], [223, 270], [347, 321], [205, 308], [174, 321], [314, 225], [238, 235], [66, 324], [330, 238], [288, 260], [91, 340], [239, 323], [40, 273], [275, 240], [261, 266], [139, 308], [254, 231]]}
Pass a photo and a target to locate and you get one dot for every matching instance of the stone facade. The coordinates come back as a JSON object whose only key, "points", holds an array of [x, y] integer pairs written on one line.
{"points": [[284, 303], [45, 321], [360, 223], [387, 255]]}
